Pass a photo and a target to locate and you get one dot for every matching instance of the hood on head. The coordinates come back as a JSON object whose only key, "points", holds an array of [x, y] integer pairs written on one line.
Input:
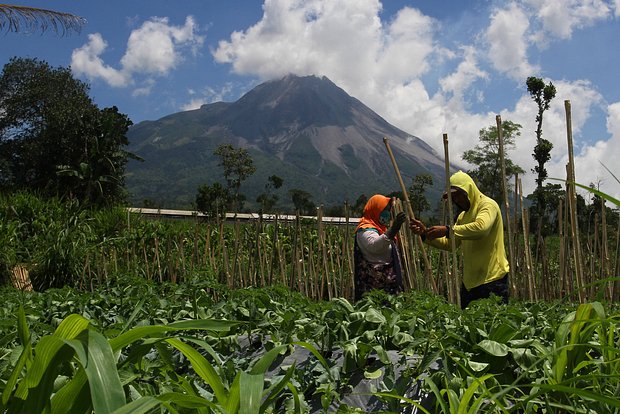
{"points": [[466, 183]]}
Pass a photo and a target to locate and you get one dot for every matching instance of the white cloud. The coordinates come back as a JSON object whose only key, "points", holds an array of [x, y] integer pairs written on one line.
{"points": [[466, 73], [592, 162], [153, 49], [339, 39], [193, 104], [208, 95], [145, 90], [508, 44], [408, 42], [86, 61], [617, 8], [561, 17]]}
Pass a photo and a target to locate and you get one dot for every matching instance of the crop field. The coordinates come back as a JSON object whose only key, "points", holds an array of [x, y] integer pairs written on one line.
{"points": [[130, 315], [143, 347]]}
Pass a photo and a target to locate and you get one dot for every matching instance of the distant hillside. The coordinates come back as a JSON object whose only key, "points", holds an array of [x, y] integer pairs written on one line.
{"points": [[306, 130]]}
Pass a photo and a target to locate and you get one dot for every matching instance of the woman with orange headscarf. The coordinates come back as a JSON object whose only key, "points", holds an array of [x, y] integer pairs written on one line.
{"points": [[377, 261]]}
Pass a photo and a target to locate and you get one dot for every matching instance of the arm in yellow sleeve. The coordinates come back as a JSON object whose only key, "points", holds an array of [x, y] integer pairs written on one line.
{"points": [[480, 227]]}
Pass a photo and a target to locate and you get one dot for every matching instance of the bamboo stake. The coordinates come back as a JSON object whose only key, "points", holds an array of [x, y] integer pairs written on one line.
{"points": [[515, 226], [195, 257], [594, 251], [348, 288], [573, 205], [500, 139], [405, 248], [418, 239], [456, 297], [616, 294], [526, 248], [567, 232], [226, 264], [326, 278], [561, 257], [157, 260], [605, 268]]}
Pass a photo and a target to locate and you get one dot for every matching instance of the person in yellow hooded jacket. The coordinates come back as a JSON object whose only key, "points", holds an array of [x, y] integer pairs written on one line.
{"points": [[376, 256], [479, 232]]}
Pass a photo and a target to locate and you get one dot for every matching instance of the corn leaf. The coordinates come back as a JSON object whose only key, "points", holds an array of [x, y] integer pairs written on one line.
{"points": [[96, 356], [263, 364], [139, 406], [203, 368], [141, 332], [252, 386], [73, 397]]}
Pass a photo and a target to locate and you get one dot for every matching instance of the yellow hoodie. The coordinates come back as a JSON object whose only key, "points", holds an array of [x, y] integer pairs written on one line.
{"points": [[480, 233]]}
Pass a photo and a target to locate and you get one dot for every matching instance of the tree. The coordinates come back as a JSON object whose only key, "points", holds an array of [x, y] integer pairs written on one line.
{"points": [[417, 193], [15, 18], [302, 200], [55, 140], [552, 194], [542, 94], [486, 157], [212, 200], [238, 166], [357, 209], [267, 199]]}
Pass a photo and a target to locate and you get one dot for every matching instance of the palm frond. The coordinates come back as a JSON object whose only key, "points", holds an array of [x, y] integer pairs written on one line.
{"points": [[29, 19]]}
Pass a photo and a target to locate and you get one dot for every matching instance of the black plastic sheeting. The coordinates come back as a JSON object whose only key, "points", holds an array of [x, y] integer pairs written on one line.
{"points": [[355, 391]]}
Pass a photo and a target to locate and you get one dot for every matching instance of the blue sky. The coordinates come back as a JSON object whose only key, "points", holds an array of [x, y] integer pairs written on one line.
{"points": [[429, 67]]}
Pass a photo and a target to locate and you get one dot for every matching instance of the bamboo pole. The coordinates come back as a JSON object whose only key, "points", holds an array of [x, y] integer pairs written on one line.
{"points": [[502, 161], [573, 206], [562, 253], [347, 282], [526, 248], [159, 273], [616, 293], [406, 249], [326, 281], [455, 292], [418, 239], [605, 268], [518, 276]]}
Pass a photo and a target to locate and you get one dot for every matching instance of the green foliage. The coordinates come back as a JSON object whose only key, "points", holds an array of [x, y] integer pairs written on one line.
{"points": [[175, 347], [213, 200], [486, 157], [302, 200], [238, 166], [417, 193], [357, 209], [55, 140], [268, 199], [50, 237], [542, 94]]}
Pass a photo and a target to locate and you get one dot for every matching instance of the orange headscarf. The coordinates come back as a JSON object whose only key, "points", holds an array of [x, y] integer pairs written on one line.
{"points": [[375, 205]]}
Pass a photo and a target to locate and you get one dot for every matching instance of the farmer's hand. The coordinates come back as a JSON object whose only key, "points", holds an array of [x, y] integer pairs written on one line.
{"points": [[398, 222], [417, 227], [436, 232]]}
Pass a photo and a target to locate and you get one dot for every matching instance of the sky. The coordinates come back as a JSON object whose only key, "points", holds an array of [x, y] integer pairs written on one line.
{"points": [[428, 67]]}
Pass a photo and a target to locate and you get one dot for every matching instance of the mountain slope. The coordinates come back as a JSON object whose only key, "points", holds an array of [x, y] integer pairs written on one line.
{"points": [[306, 130]]}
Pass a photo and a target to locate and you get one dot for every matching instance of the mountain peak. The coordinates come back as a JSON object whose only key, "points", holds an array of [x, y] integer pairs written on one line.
{"points": [[290, 103], [305, 129]]}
